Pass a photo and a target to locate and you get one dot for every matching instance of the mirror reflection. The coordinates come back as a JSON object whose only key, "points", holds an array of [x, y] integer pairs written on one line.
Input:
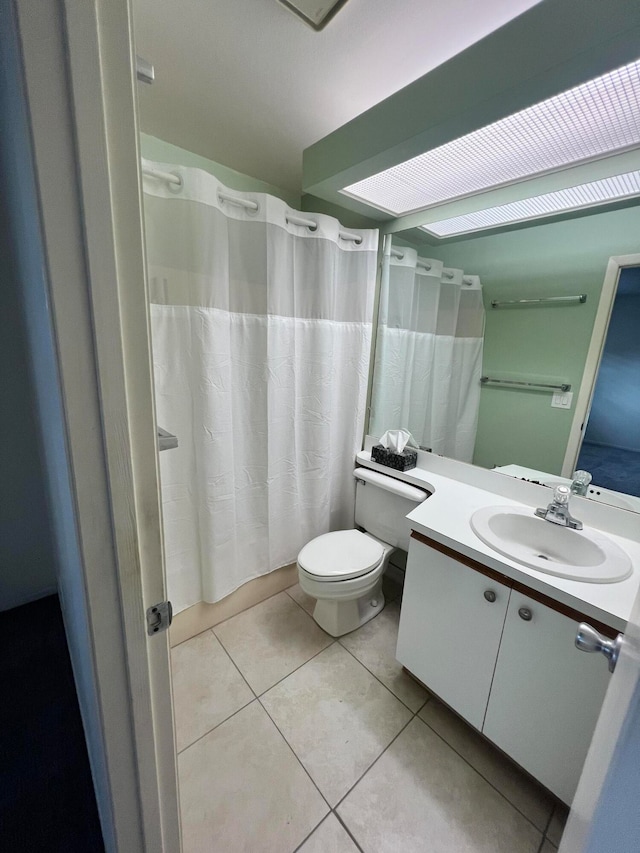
{"points": [[428, 353], [535, 389]]}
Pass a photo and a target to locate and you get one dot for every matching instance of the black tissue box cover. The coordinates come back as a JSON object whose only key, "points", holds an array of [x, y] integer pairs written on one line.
{"points": [[400, 461]]}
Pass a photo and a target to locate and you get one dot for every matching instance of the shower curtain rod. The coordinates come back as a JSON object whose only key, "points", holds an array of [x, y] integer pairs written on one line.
{"points": [[396, 253], [400, 255], [311, 224], [176, 180], [167, 177]]}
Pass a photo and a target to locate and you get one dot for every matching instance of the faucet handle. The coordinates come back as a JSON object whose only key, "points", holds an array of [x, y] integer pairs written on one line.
{"points": [[561, 495], [580, 485]]}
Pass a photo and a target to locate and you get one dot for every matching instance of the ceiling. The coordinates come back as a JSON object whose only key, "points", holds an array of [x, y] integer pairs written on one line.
{"points": [[246, 83]]}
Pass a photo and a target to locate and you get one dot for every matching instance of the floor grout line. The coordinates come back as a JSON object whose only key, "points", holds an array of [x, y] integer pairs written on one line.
{"points": [[284, 677], [355, 657], [325, 818], [413, 714], [373, 763], [247, 609], [334, 641], [346, 829], [222, 621], [307, 837], [484, 778], [217, 726], [297, 757], [228, 654], [362, 663], [298, 603], [266, 690], [253, 693], [333, 809], [545, 840], [259, 696]]}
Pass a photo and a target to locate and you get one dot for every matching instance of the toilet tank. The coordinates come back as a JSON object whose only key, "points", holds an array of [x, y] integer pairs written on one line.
{"points": [[382, 502]]}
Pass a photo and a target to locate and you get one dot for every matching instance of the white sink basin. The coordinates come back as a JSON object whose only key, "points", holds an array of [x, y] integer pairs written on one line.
{"points": [[581, 555]]}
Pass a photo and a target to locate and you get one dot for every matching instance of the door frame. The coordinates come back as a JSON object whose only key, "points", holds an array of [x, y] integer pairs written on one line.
{"points": [[80, 94], [594, 356]]}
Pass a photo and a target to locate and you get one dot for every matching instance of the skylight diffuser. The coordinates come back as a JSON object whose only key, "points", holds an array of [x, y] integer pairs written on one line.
{"points": [[571, 198], [589, 121]]}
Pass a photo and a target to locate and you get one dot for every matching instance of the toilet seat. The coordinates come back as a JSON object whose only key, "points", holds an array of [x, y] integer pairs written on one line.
{"points": [[341, 555]]}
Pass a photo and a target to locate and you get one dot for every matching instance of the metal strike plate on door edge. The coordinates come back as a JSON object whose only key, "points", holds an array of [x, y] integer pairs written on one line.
{"points": [[159, 617]]}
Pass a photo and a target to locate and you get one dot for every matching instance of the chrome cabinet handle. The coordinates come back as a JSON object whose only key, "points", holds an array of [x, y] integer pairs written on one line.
{"points": [[525, 613], [589, 640], [490, 595]]}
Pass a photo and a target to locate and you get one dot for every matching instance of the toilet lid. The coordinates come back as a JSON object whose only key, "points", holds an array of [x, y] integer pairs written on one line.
{"points": [[340, 555]]}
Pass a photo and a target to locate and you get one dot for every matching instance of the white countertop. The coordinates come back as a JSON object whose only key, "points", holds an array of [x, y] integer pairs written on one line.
{"points": [[445, 517]]}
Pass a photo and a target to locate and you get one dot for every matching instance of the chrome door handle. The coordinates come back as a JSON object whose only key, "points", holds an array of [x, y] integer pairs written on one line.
{"points": [[589, 640]]}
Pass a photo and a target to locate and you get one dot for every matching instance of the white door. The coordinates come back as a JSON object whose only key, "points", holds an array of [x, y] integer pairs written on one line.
{"points": [[594, 357], [77, 89], [605, 815]]}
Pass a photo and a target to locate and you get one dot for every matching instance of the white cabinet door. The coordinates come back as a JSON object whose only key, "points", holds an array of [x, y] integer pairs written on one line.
{"points": [[449, 632], [546, 695]]}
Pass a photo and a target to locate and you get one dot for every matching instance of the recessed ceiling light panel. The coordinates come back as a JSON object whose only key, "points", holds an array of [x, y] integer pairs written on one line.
{"points": [[589, 121], [572, 198], [316, 13]]}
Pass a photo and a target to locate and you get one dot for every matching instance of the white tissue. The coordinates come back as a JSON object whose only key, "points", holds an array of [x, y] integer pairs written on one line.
{"points": [[396, 440]]}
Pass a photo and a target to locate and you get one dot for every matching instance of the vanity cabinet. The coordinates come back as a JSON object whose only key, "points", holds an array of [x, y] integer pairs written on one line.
{"points": [[450, 627], [546, 695], [504, 658]]}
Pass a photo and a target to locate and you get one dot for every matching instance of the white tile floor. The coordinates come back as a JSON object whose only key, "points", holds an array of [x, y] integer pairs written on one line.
{"points": [[289, 740]]}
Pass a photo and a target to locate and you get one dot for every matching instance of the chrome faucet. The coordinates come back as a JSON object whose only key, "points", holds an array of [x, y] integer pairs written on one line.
{"points": [[557, 511], [580, 485]]}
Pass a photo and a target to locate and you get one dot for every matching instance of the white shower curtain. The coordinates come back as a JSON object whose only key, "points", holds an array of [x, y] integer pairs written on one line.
{"points": [[261, 336], [428, 354]]}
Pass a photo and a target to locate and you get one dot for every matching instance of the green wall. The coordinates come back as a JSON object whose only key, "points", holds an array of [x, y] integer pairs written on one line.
{"points": [[165, 152], [157, 149], [348, 218], [564, 258]]}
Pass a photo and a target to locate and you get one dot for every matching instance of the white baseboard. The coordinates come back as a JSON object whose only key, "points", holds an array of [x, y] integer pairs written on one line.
{"points": [[198, 618]]}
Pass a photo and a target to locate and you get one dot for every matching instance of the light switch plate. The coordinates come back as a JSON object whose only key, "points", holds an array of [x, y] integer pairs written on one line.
{"points": [[562, 400]]}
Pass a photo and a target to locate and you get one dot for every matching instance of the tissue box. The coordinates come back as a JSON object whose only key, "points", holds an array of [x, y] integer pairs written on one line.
{"points": [[400, 461]]}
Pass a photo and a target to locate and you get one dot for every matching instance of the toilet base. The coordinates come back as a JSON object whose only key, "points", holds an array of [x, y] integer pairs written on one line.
{"points": [[338, 617]]}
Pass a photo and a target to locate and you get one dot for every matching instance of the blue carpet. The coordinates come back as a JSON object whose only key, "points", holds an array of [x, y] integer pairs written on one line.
{"points": [[611, 467], [47, 802]]}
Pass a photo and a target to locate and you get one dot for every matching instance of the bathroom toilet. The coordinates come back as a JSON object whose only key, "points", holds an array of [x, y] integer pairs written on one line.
{"points": [[343, 570]]}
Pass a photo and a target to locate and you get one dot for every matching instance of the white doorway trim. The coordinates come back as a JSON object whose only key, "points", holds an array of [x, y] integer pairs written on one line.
{"points": [[80, 93], [594, 357]]}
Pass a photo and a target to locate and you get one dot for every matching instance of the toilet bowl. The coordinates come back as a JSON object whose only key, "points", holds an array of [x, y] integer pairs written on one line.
{"points": [[343, 570]]}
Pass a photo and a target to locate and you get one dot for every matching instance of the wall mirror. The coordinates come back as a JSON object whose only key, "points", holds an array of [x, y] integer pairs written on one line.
{"points": [[535, 389]]}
